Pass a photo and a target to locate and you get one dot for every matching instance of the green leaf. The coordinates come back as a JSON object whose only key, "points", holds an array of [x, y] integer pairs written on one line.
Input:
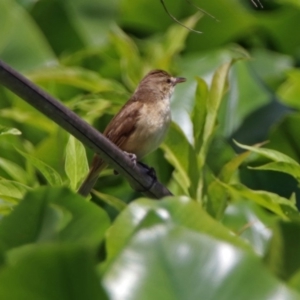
{"points": [[75, 76], [269, 153], [13, 170], [216, 92], [199, 112], [172, 210], [294, 282], [6, 130], [12, 189], [174, 40], [230, 168], [283, 255], [115, 202], [278, 205], [131, 61], [252, 223], [290, 89], [76, 164], [188, 265], [49, 173], [54, 214], [186, 169], [217, 198], [23, 46], [52, 272], [289, 168]]}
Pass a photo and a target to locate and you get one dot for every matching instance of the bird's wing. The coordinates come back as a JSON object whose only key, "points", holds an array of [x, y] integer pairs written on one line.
{"points": [[124, 123]]}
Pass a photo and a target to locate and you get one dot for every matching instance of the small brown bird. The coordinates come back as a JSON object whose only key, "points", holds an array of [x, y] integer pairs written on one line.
{"points": [[141, 124]]}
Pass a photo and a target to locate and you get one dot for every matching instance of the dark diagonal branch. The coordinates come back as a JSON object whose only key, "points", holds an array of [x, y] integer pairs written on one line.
{"points": [[67, 119]]}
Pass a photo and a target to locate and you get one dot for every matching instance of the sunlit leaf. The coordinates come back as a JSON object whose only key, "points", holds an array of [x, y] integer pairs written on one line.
{"points": [[12, 189], [76, 164], [252, 223], [188, 265], [172, 210], [6, 130]]}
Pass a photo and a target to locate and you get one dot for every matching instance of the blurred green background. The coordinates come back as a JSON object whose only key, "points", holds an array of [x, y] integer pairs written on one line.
{"points": [[91, 54], [230, 231]]}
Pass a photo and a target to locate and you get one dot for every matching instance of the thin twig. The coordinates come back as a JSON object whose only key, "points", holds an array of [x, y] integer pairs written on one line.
{"points": [[177, 21], [255, 4], [202, 10], [137, 176]]}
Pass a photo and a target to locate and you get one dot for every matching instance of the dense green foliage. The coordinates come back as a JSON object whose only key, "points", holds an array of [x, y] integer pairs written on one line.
{"points": [[232, 229]]}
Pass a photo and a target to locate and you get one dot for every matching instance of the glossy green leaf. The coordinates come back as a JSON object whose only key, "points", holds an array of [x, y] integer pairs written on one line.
{"points": [[188, 265], [53, 214], [46, 271], [172, 210], [76, 164], [252, 223], [49, 173]]}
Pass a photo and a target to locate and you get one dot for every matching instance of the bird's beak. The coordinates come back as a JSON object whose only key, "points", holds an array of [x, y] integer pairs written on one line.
{"points": [[179, 80]]}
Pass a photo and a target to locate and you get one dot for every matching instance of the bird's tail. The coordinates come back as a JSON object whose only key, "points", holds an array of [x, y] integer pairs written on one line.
{"points": [[97, 166]]}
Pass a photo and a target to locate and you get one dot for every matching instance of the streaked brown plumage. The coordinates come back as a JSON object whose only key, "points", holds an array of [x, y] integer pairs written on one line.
{"points": [[141, 124]]}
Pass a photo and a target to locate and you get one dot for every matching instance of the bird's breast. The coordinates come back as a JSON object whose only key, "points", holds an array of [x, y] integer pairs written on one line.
{"points": [[151, 128]]}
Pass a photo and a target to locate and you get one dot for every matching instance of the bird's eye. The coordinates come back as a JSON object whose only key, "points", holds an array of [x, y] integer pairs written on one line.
{"points": [[169, 80]]}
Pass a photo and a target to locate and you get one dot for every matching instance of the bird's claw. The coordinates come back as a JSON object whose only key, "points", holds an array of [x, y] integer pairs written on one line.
{"points": [[150, 170], [133, 159]]}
